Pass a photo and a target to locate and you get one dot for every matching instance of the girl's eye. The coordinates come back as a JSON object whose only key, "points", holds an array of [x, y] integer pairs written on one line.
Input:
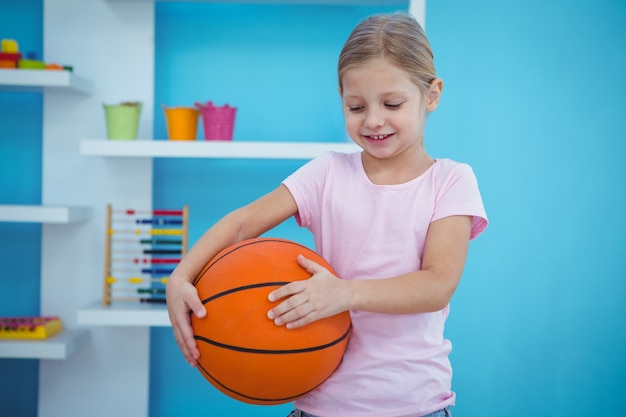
{"points": [[355, 109], [393, 106]]}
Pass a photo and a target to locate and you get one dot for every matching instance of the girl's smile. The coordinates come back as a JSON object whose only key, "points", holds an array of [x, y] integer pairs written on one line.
{"points": [[378, 138]]}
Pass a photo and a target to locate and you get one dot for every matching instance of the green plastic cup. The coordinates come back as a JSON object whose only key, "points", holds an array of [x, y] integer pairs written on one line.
{"points": [[122, 120]]}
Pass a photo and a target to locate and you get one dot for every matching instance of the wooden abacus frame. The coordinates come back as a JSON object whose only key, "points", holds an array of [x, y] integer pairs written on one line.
{"points": [[151, 218]]}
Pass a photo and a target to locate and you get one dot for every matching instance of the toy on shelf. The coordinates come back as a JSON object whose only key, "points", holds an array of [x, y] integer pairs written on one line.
{"points": [[218, 121], [9, 54], [142, 248], [181, 122], [29, 327], [12, 58], [122, 120]]}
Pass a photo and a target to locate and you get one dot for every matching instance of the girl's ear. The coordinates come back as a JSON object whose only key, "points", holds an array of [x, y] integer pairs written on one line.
{"points": [[434, 94]]}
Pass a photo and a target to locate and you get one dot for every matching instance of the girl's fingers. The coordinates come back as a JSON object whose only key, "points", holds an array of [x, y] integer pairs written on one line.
{"points": [[310, 266], [297, 286], [181, 321], [303, 301]]}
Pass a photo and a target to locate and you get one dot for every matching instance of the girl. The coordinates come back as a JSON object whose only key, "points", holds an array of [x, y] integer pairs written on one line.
{"points": [[394, 223]]}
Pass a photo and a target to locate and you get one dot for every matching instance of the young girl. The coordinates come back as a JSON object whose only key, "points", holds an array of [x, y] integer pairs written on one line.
{"points": [[393, 222]]}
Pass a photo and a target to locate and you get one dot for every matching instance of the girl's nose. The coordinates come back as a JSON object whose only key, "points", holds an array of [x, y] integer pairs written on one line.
{"points": [[374, 120]]}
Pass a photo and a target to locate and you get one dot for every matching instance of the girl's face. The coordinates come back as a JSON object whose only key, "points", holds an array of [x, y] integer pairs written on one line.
{"points": [[384, 110]]}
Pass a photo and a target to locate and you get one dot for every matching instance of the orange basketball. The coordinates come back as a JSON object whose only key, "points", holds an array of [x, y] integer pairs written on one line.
{"points": [[242, 352]]}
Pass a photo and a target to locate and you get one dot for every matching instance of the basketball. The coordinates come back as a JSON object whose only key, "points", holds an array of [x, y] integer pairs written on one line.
{"points": [[242, 352]]}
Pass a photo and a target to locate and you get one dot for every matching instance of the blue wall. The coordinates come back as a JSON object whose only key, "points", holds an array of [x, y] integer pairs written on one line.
{"points": [[533, 99], [20, 183]]}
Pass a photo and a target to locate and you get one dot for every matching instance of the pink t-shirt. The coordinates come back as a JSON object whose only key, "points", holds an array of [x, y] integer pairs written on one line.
{"points": [[395, 365]]}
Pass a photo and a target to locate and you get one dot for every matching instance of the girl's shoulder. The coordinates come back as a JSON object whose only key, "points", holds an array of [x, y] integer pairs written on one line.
{"points": [[345, 157], [446, 166], [340, 160], [448, 163], [326, 165]]}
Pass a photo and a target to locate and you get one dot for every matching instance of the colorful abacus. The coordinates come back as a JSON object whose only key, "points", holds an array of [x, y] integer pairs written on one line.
{"points": [[142, 248], [29, 327]]}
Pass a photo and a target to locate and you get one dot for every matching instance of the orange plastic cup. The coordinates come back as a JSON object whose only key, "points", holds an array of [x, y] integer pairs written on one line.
{"points": [[182, 122]]}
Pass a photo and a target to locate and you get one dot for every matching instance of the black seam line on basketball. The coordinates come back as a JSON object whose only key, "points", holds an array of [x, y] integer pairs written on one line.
{"points": [[244, 288], [274, 351], [285, 399], [249, 244]]}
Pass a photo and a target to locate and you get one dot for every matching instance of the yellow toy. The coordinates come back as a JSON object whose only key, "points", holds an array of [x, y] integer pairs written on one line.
{"points": [[29, 327]]}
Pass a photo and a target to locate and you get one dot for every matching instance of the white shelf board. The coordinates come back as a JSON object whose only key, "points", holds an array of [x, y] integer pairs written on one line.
{"points": [[43, 214], [60, 346], [124, 314], [40, 80], [211, 149]]}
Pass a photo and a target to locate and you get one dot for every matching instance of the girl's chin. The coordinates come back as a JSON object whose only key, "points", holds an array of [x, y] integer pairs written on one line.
{"points": [[375, 142], [378, 152]]}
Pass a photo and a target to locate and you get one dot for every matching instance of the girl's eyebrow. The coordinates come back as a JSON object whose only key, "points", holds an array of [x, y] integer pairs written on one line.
{"points": [[388, 95]]}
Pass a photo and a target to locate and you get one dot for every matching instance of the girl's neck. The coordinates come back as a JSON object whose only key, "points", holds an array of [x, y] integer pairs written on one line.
{"points": [[398, 169]]}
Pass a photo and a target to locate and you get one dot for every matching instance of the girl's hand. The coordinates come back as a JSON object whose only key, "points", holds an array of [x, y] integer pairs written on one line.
{"points": [[323, 295], [182, 297]]}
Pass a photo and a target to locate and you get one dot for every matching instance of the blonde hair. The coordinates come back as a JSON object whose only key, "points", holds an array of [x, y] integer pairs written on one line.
{"points": [[397, 37]]}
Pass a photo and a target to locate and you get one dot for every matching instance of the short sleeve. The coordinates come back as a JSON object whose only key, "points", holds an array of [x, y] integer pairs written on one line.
{"points": [[306, 185], [459, 195]]}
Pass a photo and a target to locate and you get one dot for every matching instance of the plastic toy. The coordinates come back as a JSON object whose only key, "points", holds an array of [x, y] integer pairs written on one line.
{"points": [[12, 58], [142, 248], [29, 327]]}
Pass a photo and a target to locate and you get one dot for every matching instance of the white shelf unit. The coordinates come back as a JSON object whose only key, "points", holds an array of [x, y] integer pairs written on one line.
{"points": [[210, 149], [64, 344], [71, 263], [42, 80], [43, 214], [124, 314], [69, 341], [58, 346]]}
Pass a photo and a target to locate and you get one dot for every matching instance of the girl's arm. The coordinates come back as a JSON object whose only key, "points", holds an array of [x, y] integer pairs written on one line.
{"points": [[247, 222], [427, 290]]}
